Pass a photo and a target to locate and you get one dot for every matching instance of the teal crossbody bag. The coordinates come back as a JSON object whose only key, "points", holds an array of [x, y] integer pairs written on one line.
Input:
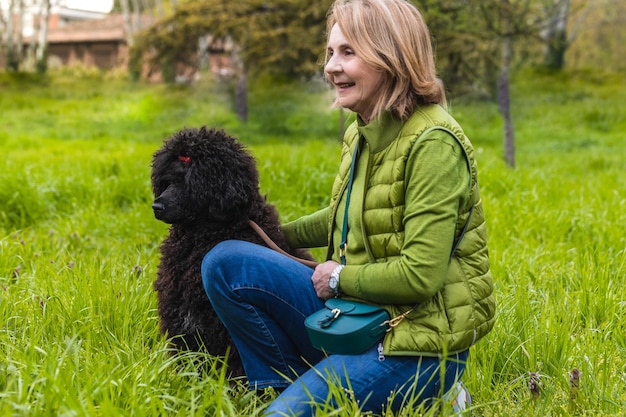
{"points": [[352, 327], [346, 326]]}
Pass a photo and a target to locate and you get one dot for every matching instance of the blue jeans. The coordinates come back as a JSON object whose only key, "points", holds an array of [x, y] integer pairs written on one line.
{"points": [[263, 297]]}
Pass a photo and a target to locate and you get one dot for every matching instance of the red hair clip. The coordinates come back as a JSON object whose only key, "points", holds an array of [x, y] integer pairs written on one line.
{"points": [[184, 159]]}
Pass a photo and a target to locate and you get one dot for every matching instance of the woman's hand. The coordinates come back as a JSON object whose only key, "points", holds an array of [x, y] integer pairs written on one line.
{"points": [[320, 279]]}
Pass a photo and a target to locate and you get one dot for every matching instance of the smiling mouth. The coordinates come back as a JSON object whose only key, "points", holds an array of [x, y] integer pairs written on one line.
{"points": [[344, 85]]}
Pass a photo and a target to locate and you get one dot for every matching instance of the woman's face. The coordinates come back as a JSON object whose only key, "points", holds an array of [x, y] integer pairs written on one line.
{"points": [[356, 83]]}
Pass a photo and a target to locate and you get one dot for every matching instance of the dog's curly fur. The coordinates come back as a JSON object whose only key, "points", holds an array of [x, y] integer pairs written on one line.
{"points": [[206, 186]]}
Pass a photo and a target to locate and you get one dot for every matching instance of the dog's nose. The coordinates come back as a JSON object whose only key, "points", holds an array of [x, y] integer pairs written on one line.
{"points": [[157, 208]]}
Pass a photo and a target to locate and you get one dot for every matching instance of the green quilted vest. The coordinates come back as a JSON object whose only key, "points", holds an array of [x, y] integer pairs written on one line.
{"points": [[463, 311]]}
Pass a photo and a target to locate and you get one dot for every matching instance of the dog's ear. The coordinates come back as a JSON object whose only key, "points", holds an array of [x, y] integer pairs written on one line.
{"points": [[239, 195], [225, 174], [167, 168], [159, 167]]}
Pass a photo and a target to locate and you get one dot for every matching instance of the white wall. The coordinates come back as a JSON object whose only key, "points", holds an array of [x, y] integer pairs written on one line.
{"points": [[100, 6], [68, 10]]}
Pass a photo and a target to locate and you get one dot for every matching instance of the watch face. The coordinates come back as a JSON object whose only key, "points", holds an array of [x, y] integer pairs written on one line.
{"points": [[332, 283]]}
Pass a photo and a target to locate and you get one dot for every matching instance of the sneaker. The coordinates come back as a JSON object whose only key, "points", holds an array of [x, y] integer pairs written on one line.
{"points": [[458, 397]]}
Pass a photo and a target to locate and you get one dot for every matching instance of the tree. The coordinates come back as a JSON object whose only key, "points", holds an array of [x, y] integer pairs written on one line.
{"points": [[41, 55], [37, 54], [283, 37], [137, 14], [128, 22], [470, 37], [508, 22], [504, 95], [12, 40], [554, 34], [11, 21], [464, 55], [564, 20]]}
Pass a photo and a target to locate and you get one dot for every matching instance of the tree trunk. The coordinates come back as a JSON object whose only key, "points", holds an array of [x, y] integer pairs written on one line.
{"points": [[241, 87], [3, 31], [128, 24], [504, 101], [41, 54], [33, 46], [137, 11], [18, 47], [241, 97], [8, 37], [203, 52]]}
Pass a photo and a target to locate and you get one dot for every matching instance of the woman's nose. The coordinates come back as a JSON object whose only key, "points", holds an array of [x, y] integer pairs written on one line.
{"points": [[332, 66]]}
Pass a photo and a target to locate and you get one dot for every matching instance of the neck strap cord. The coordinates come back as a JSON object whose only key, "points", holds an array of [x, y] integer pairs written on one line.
{"points": [[344, 232]]}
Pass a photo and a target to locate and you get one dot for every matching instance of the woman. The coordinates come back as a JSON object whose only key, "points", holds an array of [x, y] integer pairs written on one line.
{"points": [[415, 232]]}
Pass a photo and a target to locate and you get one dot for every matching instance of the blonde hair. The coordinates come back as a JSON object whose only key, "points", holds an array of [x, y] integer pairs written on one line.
{"points": [[391, 36]]}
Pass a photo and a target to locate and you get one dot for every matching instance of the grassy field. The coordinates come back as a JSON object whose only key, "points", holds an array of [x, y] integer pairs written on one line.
{"points": [[79, 244]]}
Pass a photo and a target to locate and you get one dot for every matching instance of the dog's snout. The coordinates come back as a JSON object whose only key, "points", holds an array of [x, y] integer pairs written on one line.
{"points": [[158, 207]]}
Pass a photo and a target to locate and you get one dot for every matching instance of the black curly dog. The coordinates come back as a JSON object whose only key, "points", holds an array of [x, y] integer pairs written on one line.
{"points": [[206, 186]]}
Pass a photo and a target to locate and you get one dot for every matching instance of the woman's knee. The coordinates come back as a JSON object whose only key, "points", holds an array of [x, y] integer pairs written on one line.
{"points": [[215, 264]]}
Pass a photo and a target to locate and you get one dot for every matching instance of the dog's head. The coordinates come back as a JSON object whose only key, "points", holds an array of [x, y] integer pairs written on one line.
{"points": [[203, 174]]}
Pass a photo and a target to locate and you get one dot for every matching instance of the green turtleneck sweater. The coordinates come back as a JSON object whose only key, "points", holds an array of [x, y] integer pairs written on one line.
{"points": [[414, 184]]}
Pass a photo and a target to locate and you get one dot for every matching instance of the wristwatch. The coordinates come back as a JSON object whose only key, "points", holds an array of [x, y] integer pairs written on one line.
{"points": [[333, 280]]}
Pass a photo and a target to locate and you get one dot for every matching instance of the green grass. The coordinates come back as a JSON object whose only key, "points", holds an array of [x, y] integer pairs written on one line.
{"points": [[79, 245]]}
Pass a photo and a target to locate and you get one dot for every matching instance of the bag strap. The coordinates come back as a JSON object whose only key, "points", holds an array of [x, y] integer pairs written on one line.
{"points": [[269, 242], [396, 320], [344, 234], [344, 238], [458, 240], [344, 230]]}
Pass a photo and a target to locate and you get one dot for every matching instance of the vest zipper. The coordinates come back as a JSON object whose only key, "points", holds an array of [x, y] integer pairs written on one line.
{"points": [[381, 353]]}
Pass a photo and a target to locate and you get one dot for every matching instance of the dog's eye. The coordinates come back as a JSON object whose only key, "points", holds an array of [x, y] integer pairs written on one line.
{"points": [[184, 159]]}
